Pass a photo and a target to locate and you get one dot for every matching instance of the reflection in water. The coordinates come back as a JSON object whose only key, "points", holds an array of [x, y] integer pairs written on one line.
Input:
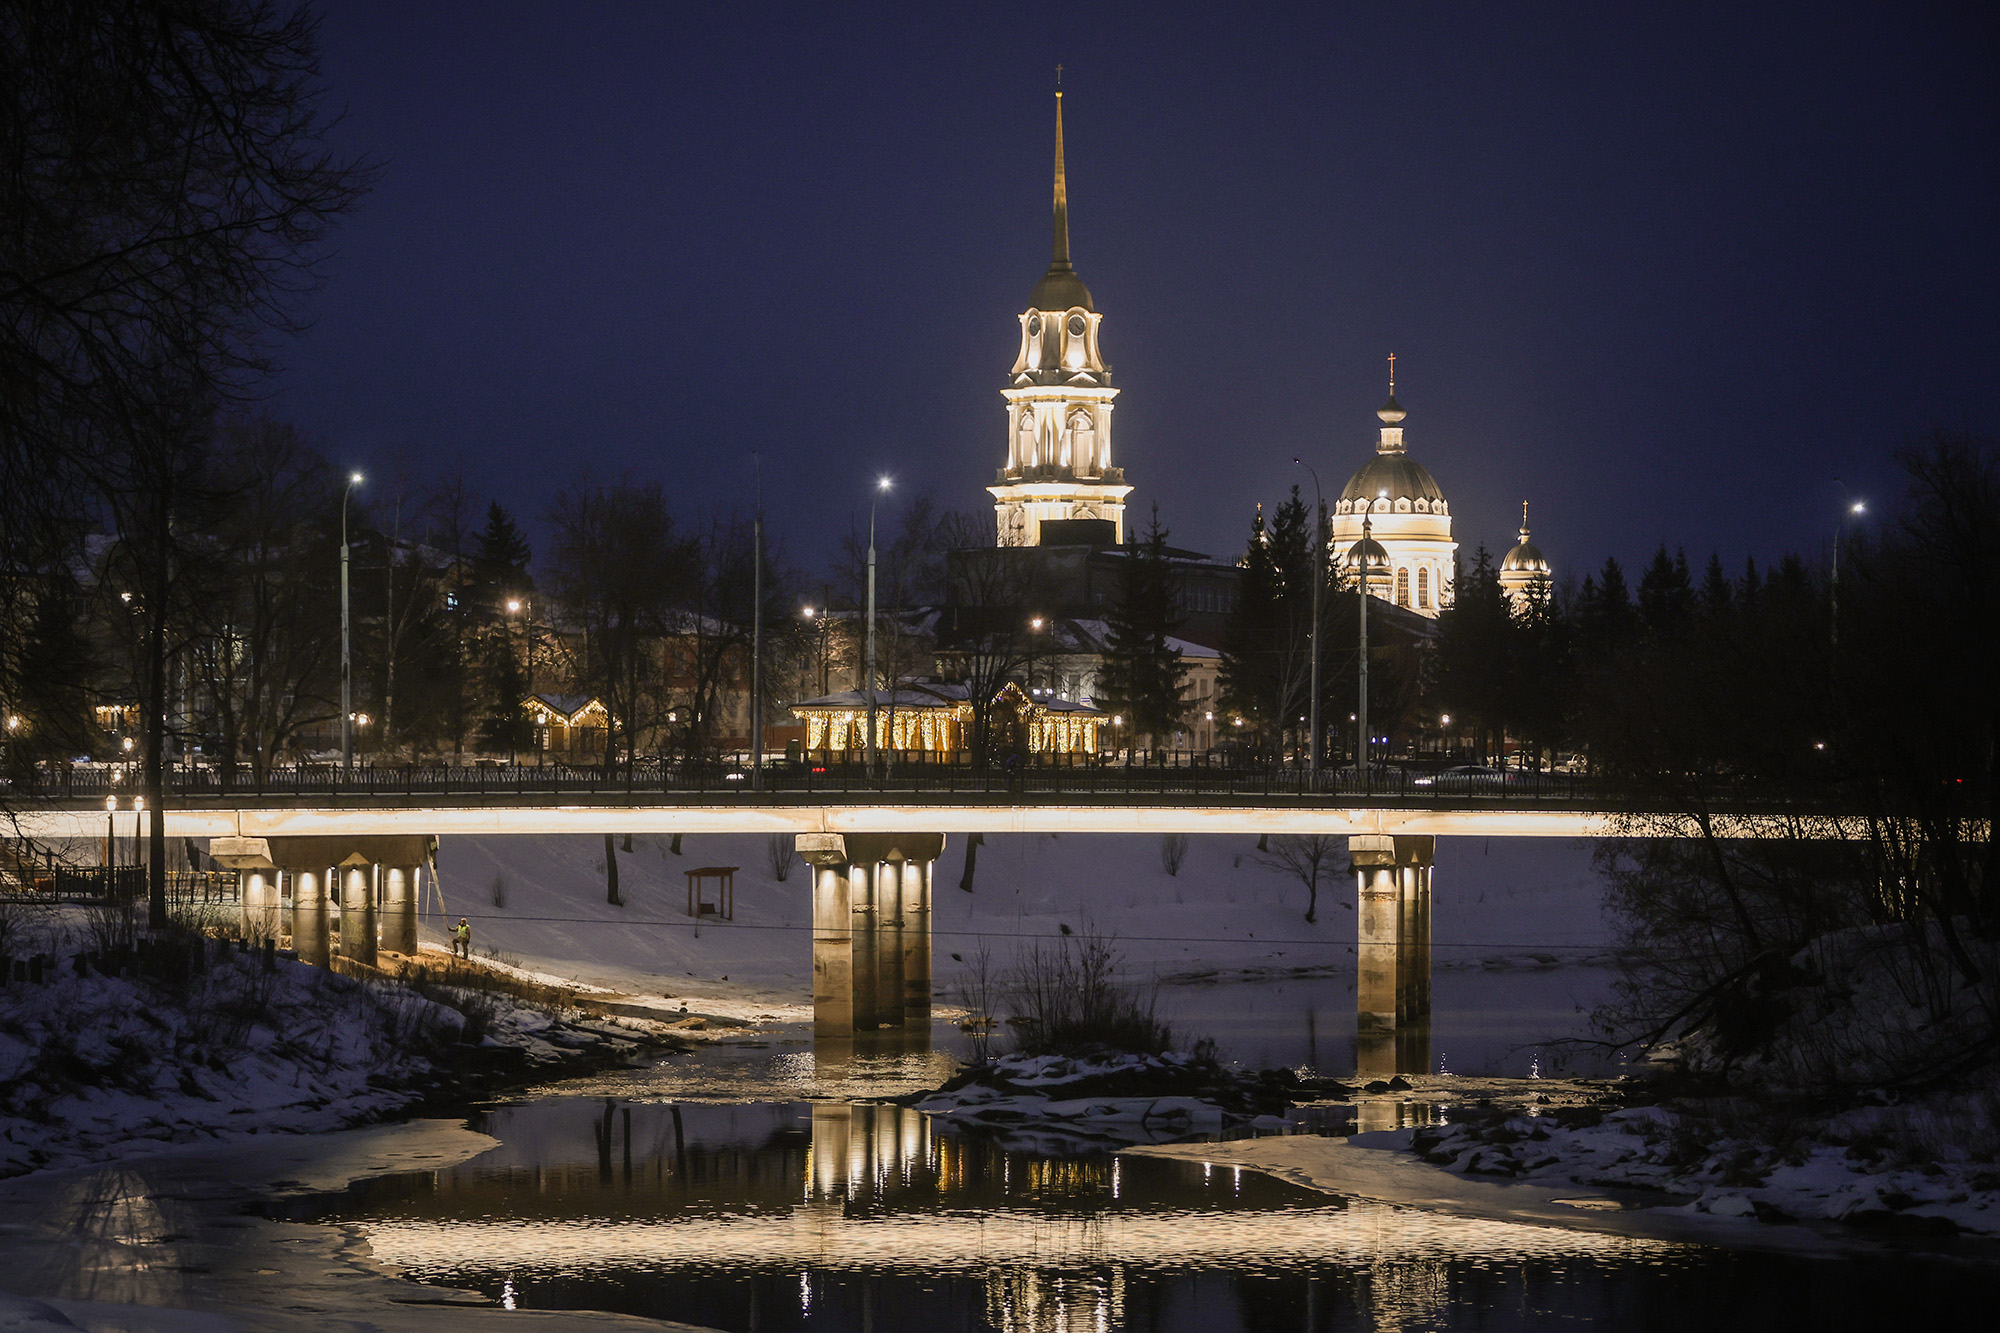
{"points": [[861, 1216]]}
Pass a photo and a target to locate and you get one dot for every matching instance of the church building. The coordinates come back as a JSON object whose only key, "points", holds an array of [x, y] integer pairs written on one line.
{"points": [[1059, 399]]}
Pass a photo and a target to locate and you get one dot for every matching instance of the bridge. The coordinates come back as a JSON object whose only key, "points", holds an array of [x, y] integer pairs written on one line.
{"points": [[321, 854]]}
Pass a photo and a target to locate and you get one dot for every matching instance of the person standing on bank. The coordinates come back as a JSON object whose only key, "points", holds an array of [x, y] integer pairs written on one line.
{"points": [[461, 940]]}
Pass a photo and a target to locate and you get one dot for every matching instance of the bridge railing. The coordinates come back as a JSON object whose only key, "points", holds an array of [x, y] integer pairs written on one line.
{"points": [[726, 782]]}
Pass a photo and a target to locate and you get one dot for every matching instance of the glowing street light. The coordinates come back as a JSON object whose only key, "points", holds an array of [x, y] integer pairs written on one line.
{"points": [[346, 656]]}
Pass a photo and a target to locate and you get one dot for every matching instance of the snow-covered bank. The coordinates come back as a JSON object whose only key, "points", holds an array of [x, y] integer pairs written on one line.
{"points": [[1926, 1168], [1225, 915], [1571, 1153], [199, 1041]]}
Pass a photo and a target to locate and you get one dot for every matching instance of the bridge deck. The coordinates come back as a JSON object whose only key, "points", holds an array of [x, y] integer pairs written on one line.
{"points": [[504, 812]]}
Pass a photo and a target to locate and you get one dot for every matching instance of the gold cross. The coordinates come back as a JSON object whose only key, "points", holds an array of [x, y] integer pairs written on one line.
{"points": [[1392, 374], [1058, 76]]}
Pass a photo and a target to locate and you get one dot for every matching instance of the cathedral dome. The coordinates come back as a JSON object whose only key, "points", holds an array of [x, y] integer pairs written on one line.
{"points": [[1060, 289], [1393, 476], [1525, 559]]}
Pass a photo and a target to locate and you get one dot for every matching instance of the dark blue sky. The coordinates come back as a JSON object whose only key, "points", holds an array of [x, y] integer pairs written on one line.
{"points": [[1664, 271]]}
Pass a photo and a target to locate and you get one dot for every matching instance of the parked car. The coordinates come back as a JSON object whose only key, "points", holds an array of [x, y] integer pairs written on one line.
{"points": [[1463, 777]]}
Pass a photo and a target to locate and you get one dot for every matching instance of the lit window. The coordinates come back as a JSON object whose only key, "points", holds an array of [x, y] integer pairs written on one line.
{"points": [[1402, 587], [1423, 588]]}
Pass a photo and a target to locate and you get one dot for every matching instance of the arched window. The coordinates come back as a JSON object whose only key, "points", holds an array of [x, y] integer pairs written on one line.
{"points": [[1423, 589], [1082, 441], [1403, 586], [1024, 450]]}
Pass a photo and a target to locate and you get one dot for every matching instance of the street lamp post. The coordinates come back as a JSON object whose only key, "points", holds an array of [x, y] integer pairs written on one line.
{"points": [[1365, 559], [757, 635], [1319, 578], [346, 656], [517, 606], [868, 678], [1853, 509]]}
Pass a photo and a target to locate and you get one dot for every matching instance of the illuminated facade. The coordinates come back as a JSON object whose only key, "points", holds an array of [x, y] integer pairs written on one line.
{"points": [[1059, 400], [1407, 514], [933, 717]]}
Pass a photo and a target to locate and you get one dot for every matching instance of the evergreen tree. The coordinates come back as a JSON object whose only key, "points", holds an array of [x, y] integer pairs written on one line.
{"points": [[1246, 643], [1716, 593], [1475, 652], [1666, 592], [499, 574], [1267, 650], [1143, 674], [499, 564], [1604, 611]]}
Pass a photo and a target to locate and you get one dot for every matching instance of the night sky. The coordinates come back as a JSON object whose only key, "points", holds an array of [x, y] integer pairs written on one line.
{"points": [[1663, 271]]}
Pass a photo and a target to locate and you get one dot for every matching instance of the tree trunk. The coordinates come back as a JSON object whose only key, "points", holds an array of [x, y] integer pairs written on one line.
{"points": [[973, 842], [611, 871]]}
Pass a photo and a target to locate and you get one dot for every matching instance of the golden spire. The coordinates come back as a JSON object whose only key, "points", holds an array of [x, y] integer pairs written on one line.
{"points": [[1061, 257], [1392, 355], [1524, 520]]}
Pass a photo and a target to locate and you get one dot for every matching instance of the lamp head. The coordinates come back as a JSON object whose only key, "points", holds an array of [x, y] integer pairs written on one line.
{"points": [[354, 479], [1858, 507], [110, 804], [513, 605], [882, 483]]}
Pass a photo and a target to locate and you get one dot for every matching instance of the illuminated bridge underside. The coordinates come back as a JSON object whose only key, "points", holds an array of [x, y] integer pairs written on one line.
{"points": [[503, 819]]}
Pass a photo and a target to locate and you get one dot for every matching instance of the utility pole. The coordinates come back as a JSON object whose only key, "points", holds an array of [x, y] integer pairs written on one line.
{"points": [[346, 655], [868, 676], [1365, 561], [1319, 579], [757, 636]]}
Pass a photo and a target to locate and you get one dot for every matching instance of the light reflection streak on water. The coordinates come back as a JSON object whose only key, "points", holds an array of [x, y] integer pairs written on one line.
{"points": [[855, 1193]]}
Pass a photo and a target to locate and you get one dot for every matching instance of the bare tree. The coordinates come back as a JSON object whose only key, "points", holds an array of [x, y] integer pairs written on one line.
{"points": [[620, 571], [164, 186], [1308, 858]]}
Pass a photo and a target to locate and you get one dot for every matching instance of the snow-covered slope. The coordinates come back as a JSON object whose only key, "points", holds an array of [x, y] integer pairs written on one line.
{"points": [[542, 900]]}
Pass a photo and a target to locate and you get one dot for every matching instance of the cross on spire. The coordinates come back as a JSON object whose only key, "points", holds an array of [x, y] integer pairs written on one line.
{"points": [[1392, 374], [1058, 76]]}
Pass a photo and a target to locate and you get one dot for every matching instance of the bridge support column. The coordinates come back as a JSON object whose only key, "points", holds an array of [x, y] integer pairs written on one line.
{"points": [[399, 910], [312, 923], [357, 911], [259, 904], [871, 930], [916, 944], [864, 878], [1392, 986]]}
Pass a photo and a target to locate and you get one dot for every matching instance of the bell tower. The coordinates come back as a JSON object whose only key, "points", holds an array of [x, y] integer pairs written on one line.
{"points": [[1059, 400]]}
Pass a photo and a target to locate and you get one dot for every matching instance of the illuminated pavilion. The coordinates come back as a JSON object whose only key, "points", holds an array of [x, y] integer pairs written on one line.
{"points": [[1523, 567], [935, 718]]}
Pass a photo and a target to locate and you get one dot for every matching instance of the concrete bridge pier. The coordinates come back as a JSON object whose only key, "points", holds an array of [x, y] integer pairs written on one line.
{"points": [[871, 931], [399, 909], [260, 907], [360, 870], [312, 915], [1393, 984], [357, 909]]}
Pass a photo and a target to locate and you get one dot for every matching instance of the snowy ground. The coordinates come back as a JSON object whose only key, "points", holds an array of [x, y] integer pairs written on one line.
{"points": [[541, 901], [95, 1066]]}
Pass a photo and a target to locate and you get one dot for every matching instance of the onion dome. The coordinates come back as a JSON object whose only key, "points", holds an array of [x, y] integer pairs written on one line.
{"points": [[1525, 558], [1392, 476], [1369, 550]]}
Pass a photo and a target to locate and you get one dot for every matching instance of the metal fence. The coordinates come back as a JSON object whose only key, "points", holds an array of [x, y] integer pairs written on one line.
{"points": [[1051, 780]]}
